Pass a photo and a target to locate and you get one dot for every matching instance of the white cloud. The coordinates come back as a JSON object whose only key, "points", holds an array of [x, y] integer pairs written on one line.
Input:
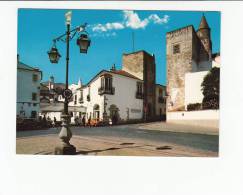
{"points": [[107, 26], [115, 26], [133, 21], [99, 28], [104, 34], [157, 20]]}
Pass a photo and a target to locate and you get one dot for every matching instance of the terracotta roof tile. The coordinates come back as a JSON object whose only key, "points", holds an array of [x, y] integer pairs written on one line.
{"points": [[124, 73]]}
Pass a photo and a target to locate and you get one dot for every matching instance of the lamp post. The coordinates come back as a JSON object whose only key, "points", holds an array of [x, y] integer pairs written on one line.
{"points": [[83, 42], [105, 113]]}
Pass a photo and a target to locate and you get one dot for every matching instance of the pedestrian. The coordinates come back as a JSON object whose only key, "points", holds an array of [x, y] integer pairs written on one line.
{"points": [[44, 121], [54, 121], [83, 121], [89, 121]]}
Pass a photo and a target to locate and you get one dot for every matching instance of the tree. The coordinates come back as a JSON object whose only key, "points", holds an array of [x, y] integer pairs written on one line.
{"points": [[210, 89]]}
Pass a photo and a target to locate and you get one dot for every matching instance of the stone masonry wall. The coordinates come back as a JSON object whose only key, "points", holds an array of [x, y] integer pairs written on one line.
{"points": [[142, 65], [149, 84], [133, 64], [177, 65]]}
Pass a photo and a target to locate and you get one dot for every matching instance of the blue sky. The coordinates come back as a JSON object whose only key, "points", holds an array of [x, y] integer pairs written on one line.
{"points": [[110, 32]]}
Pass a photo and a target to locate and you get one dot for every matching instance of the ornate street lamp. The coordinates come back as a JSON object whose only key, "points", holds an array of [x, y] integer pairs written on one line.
{"points": [[54, 55], [83, 41]]}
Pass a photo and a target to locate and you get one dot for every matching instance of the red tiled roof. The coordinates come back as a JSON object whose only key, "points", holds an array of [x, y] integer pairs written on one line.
{"points": [[124, 73]]}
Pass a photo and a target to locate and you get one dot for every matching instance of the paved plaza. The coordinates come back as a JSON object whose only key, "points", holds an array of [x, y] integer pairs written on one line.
{"points": [[151, 139]]}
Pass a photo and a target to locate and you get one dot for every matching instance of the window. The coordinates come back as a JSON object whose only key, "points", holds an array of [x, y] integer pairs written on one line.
{"points": [[176, 49], [106, 85], [102, 82], [81, 99], [139, 92], [88, 96], [34, 104], [33, 114], [34, 96], [139, 87], [34, 77], [75, 99]]}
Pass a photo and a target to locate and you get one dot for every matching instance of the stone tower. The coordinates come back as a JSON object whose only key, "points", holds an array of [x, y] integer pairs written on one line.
{"points": [[203, 33], [186, 51], [142, 65]]}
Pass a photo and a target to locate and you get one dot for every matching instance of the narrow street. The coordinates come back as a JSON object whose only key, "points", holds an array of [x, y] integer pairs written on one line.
{"points": [[131, 139]]}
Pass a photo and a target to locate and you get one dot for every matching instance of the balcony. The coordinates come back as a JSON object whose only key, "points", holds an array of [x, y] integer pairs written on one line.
{"points": [[110, 91], [139, 95]]}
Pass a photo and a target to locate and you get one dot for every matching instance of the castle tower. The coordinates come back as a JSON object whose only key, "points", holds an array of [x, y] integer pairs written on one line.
{"points": [[142, 65], [186, 51], [204, 35], [179, 61]]}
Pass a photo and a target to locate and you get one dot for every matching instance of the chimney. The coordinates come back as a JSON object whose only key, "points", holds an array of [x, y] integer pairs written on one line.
{"points": [[113, 68]]}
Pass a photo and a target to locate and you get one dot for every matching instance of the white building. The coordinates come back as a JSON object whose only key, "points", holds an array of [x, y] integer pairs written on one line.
{"points": [[28, 91], [193, 81], [193, 95], [113, 93], [119, 95], [55, 109]]}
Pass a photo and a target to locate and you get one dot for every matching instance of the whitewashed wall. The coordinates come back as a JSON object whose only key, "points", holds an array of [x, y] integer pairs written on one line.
{"points": [[52, 115], [124, 97], [25, 87], [204, 118], [193, 93], [194, 115], [95, 98]]}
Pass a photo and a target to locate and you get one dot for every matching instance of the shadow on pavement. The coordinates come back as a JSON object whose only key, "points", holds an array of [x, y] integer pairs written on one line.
{"points": [[95, 151], [113, 148], [164, 148]]}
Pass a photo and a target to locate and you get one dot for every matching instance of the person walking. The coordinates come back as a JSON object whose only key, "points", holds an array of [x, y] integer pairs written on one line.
{"points": [[89, 121], [83, 121], [54, 121]]}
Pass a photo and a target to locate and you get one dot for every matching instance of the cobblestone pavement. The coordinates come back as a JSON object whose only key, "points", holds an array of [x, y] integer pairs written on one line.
{"points": [[107, 146], [175, 127], [126, 140]]}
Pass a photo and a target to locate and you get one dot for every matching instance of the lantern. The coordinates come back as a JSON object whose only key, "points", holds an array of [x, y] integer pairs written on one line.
{"points": [[54, 55], [84, 42]]}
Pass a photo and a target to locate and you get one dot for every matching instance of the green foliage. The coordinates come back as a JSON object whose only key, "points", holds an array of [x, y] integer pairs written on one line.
{"points": [[210, 89]]}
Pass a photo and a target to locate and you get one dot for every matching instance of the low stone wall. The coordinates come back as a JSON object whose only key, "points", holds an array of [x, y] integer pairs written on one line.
{"points": [[202, 118]]}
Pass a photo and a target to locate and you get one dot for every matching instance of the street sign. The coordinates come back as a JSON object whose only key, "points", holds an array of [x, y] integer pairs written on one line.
{"points": [[67, 93]]}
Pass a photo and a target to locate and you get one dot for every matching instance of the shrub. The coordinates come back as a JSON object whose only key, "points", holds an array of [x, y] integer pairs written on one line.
{"points": [[210, 89], [196, 106]]}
